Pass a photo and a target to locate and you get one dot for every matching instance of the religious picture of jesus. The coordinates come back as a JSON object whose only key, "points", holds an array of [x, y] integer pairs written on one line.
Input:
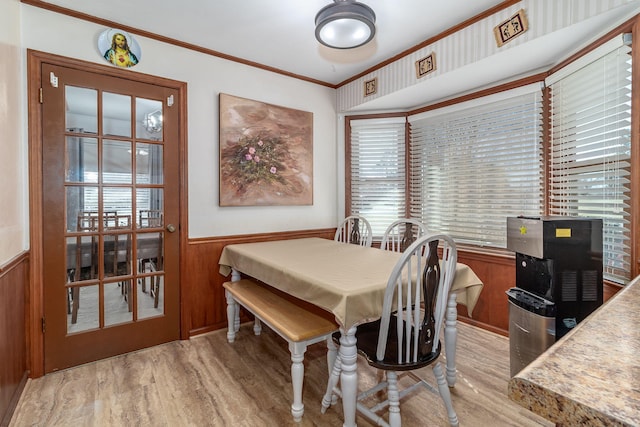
{"points": [[119, 48]]}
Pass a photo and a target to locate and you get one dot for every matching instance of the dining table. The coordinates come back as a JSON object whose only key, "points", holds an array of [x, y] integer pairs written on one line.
{"points": [[346, 280], [82, 250]]}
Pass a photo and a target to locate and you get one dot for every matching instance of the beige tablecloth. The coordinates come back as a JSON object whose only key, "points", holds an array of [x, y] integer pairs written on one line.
{"points": [[346, 280]]}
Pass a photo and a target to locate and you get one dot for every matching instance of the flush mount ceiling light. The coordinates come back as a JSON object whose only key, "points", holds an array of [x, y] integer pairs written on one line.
{"points": [[345, 24]]}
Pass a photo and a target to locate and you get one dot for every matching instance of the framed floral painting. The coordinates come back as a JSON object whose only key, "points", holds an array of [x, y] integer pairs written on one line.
{"points": [[266, 154]]}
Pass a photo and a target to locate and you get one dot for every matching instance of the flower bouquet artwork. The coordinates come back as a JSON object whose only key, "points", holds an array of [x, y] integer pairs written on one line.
{"points": [[266, 154]]}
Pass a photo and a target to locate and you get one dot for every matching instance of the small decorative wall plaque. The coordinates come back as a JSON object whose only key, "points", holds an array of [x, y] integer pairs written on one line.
{"points": [[426, 65], [370, 87], [511, 28]]}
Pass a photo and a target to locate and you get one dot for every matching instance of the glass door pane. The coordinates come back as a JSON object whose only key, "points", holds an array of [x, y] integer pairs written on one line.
{"points": [[115, 272]]}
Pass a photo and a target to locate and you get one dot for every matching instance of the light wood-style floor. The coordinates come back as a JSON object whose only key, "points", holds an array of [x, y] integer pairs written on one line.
{"points": [[206, 381]]}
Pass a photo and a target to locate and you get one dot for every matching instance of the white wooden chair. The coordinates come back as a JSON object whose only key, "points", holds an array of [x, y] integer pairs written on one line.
{"points": [[354, 229], [407, 338], [401, 234]]}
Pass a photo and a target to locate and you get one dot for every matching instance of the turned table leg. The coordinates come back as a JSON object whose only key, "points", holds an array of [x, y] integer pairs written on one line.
{"points": [[349, 375]]}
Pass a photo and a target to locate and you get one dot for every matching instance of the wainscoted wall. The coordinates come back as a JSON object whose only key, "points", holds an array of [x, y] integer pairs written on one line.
{"points": [[498, 274], [14, 279], [204, 305]]}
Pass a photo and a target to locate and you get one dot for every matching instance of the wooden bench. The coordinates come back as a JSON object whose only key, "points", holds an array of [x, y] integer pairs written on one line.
{"points": [[297, 325]]}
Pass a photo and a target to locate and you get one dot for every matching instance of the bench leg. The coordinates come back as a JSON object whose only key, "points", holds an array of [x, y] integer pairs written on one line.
{"points": [[332, 355], [233, 317], [297, 350], [236, 318], [257, 327], [330, 397]]}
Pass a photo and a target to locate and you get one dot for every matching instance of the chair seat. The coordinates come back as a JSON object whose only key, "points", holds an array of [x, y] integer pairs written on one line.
{"points": [[367, 343]]}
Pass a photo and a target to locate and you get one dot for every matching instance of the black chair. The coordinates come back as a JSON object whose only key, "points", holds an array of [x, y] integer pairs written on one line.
{"points": [[407, 336]]}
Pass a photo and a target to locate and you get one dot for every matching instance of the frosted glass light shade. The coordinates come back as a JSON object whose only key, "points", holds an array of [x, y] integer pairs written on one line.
{"points": [[345, 24]]}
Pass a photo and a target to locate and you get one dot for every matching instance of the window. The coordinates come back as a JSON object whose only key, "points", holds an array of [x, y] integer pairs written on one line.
{"points": [[476, 163], [378, 180], [590, 161], [472, 164]]}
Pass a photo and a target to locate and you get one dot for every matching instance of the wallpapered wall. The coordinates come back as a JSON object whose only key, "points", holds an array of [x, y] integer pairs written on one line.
{"points": [[475, 44]]}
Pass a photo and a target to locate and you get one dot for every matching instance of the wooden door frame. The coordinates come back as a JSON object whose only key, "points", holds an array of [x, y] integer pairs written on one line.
{"points": [[35, 294]]}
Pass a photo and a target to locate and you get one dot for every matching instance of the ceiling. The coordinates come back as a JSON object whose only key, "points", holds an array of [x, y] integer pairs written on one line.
{"points": [[280, 34]]}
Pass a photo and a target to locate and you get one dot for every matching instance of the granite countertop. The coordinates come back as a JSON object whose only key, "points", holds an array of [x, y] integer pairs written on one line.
{"points": [[590, 377]]}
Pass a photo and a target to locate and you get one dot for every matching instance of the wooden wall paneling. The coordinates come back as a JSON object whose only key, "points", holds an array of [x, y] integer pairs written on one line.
{"points": [[204, 306], [14, 278], [497, 272], [609, 290]]}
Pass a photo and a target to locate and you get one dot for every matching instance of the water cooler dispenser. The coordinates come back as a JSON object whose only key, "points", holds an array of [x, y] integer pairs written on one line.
{"points": [[558, 281]]}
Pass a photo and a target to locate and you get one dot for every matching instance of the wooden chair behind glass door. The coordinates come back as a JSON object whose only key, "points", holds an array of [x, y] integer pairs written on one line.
{"points": [[86, 260], [151, 218], [117, 252]]}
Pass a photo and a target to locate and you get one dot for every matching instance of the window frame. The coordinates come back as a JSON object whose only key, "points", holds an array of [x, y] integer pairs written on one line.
{"points": [[627, 27], [457, 134], [589, 133], [349, 208]]}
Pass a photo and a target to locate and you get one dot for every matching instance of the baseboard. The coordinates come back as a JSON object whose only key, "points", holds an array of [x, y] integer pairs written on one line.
{"points": [[482, 325], [208, 328]]}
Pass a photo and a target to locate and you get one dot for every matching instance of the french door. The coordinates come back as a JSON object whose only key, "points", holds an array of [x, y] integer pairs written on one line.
{"points": [[110, 202]]}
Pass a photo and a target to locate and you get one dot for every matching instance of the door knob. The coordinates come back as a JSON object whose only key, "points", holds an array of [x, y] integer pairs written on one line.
{"points": [[171, 228]]}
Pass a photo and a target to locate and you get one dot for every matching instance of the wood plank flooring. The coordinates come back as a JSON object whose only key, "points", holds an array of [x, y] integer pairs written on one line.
{"points": [[206, 381]]}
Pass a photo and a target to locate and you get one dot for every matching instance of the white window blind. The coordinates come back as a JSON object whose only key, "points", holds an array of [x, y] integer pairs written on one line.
{"points": [[475, 164], [378, 178], [590, 162], [115, 199]]}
